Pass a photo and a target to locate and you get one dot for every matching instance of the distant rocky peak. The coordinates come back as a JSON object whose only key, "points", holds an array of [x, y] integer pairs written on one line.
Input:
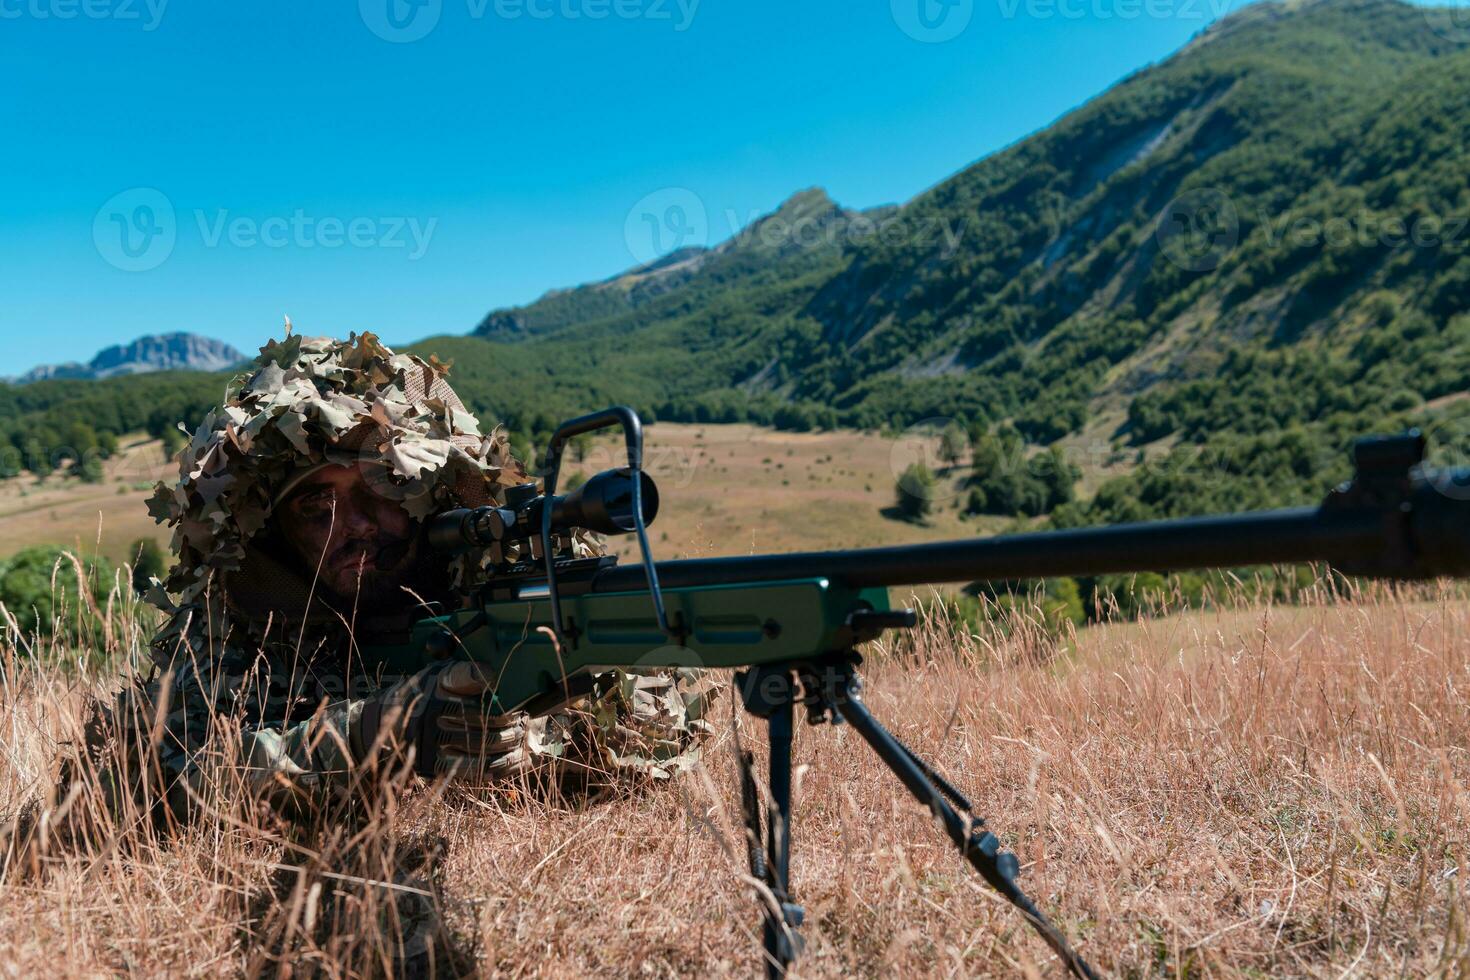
{"points": [[160, 352]]}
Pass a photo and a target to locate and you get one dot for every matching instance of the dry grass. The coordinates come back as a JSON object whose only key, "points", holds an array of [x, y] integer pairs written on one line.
{"points": [[1238, 792]]}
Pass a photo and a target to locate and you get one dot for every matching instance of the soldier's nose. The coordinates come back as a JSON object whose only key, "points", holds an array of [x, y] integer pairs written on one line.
{"points": [[355, 523]]}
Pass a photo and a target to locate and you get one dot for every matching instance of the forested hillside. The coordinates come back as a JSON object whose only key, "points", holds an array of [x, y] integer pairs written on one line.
{"points": [[1260, 242], [61, 422]]}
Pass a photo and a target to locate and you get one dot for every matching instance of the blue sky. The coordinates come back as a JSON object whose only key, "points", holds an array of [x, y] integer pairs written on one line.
{"points": [[406, 165]]}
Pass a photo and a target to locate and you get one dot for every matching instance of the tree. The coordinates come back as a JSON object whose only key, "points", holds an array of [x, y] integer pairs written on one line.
{"points": [[81, 439], [1038, 486], [173, 441], [987, 455], [89, 468], [916, 492], [37, 458], [954, 442], [1058, 476], [580, 445]]}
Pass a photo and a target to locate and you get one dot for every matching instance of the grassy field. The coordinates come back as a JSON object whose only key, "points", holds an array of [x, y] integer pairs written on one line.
{"points": [[741, 489], [1242, 792], [93, 518]]}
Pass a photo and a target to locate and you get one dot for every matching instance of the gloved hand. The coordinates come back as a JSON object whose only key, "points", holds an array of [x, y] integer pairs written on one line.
{"points": [[439, 712]]}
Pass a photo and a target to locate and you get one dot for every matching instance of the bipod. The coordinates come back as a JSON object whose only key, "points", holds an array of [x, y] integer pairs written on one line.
{"points": [[771, 693], [829, 689]]}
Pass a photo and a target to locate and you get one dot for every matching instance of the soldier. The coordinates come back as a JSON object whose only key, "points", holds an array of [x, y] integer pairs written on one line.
{"points": [[297, 529]]}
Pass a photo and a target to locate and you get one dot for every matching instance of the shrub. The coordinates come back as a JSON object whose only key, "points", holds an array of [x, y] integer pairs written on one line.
{"points": [[149, 561], [90, 469], [1053, 603], [39, 588], [954, 443], [916, 492]]}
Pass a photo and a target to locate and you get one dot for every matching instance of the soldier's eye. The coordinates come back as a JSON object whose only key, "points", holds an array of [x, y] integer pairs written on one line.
{"points": [[314, 503]]}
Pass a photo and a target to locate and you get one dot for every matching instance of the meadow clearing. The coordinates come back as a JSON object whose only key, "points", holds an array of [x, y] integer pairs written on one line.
{"points": [[725, 490]]}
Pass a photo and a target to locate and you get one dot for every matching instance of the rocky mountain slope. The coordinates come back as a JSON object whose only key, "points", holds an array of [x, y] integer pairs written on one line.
{"points": [[163, 352], [1266, 230], [807, 232]]}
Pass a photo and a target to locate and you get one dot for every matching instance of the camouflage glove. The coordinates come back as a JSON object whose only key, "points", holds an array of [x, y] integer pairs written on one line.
{"points": [[440, 713]]}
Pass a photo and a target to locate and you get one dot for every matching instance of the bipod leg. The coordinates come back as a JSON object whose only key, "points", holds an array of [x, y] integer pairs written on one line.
{"points": [[978, 845], [770, 693], [781, 941], [750, 807]]}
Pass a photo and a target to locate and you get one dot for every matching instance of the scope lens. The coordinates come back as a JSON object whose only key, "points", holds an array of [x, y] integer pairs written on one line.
{"points": [[619, 501]]}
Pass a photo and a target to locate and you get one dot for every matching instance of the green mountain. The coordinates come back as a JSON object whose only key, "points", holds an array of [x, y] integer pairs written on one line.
{"points": [[805, 234], [1261, 241]]}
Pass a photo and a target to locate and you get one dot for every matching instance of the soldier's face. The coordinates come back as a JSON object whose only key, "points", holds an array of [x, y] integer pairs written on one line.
{"points": [[366, 545]]}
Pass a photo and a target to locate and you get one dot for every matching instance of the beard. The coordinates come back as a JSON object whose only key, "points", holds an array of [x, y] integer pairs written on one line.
{"points": [[376, 570]]}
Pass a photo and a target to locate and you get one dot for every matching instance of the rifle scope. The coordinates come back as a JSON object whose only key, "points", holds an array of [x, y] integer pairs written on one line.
{"points": [[603, 504]]}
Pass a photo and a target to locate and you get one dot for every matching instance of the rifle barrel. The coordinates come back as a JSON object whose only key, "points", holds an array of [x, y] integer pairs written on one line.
{"points": [[1303, 534]]}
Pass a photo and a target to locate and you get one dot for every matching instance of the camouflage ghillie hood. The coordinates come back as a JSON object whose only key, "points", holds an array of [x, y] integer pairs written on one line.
{"points": [[314, 401]]}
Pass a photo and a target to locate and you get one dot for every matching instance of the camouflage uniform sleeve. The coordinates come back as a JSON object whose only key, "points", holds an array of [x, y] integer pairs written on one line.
{"points": [[214, 715], [651, 723]]}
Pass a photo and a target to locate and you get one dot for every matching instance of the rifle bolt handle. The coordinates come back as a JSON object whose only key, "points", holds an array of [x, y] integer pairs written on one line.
{"points": [[874, 621]]}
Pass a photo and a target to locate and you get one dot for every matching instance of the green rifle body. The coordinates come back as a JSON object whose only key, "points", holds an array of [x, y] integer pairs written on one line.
{"points": [[738, 625]]}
